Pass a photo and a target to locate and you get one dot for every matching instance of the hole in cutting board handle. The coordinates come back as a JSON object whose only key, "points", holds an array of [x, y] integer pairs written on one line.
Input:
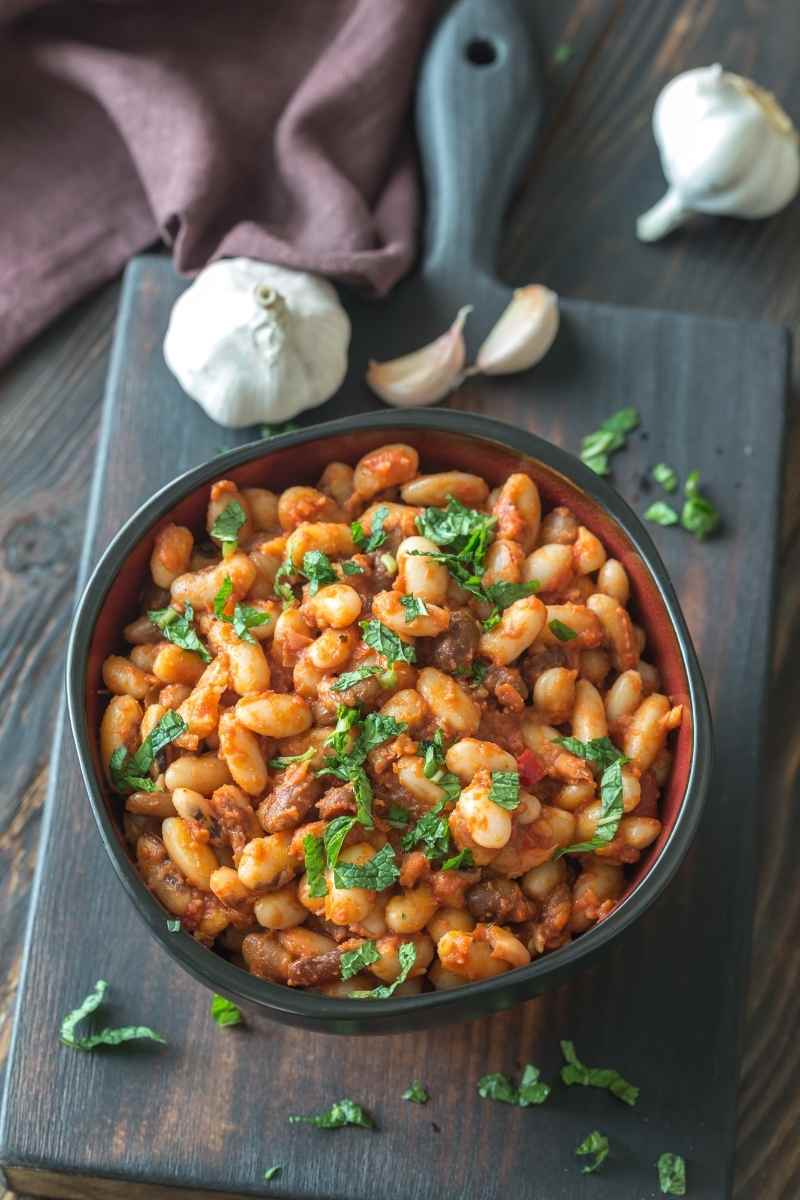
{"points": [[481, 51]]}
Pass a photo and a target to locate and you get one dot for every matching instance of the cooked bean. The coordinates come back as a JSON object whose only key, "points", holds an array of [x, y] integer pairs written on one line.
{"points": [[419, 575], [274, 714], [589, 714], [612, 578], [262, 506], [337, 481], [195, 860], [203, 773], [550, 566], [335, 606], [435, 490], [554, 694], [588, 552], [618, 629], [124, 678], [389, 610], [518, 511], [559, 525], [504, 562], [386, 467], [469, 755], [452, 706], [172, 552], [280, 909], [520, 625]]}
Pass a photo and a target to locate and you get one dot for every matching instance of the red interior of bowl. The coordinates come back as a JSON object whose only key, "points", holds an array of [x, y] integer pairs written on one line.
{"points": [[438, 450]]}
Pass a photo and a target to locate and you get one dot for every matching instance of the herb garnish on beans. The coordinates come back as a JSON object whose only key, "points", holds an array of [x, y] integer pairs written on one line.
{"points": [[394, 732]]}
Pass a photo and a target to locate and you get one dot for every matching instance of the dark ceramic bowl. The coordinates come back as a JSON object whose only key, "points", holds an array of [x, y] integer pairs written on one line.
{"points": [[445, 440]]}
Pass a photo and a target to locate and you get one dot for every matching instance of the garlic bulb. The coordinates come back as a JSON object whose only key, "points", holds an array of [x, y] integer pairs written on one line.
{"points": [[523, 334], [726, 147], [253, 342], [425, 375]]}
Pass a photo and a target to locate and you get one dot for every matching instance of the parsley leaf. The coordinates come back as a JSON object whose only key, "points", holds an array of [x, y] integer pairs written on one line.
{"points": [[352, 568], [414, 607], [129, 772], [318, 570], [595, 1143], [600, 1077], [222, 597], [105, 1037], [600, 752], [270, 431], [379, 637], [416, 1093], [377, 729], [371, 542], [285, 760], [339, 741], [432, 830], [661, 513], [284, 590], [611, 436], [465, 530], [378, 874], [407, 956], [273, 1172], [348, 757], [227, 525], [505, 789], [349, 679], [315, 866], [244, 615], [178, 629], [343, 1112], [334, 836], [397, 816], [459, 862], [563, 632], [501, 1088], [605, 757], [699, 515], [224, 1011], [502, 594], [671, 1174], [665, 475], [352, 961]]}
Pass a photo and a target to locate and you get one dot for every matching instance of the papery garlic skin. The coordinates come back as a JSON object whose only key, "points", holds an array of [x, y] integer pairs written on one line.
{"points": [[726, 146], [523, 334], [253, 342], [426, 375]]}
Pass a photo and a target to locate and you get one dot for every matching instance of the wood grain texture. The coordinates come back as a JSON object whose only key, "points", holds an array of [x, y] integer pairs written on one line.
{"points": [[595, 167]]}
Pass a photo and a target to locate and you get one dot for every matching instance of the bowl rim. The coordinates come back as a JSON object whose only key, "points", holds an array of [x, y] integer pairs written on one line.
{"points": [[310, 1007]]}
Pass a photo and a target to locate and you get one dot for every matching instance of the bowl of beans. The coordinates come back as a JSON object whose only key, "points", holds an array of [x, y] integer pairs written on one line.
{"points": [[388, 722]]}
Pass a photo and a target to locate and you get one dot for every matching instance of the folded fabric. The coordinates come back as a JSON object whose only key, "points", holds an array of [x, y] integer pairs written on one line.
{"points": [[276, 129]]}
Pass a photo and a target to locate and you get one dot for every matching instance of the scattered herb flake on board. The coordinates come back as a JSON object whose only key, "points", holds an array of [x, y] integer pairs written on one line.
{"points": [[379, 873], [562, 54], [665, 475], [368, 543], [379, 637], [273, 1172], [129, 772], [343, 1112], [271, 431], [505, 789], [601, 1077], [285, 760], [314, 853], [227, 525], [173, 925], [318, 570], [563, 632], [671, 1174], [611, 436], [595, 1143], [501, 1088], [698, 516], [352, 961], [413, 607], [224, 1011], [105, 1037], [661, 513], [416, 1093], [178, 629], [407, 956]]}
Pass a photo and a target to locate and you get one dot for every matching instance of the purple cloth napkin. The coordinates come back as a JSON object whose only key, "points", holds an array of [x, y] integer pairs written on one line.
{"points": [[276, 129]]}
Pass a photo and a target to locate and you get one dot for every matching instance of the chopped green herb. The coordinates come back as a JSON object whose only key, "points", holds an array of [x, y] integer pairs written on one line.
{"points": [[340, 740], [222, 597], [352, 568], [352, 961], [334, 837], [563, 632], [459, 862], [343, 1112], [174, 925], [600, 1077], [244, 618], [318, 570], [414, 607], [178, 629], [272, 1172], [349, 679], [362, 794], [611, 812], [501, 1088], [503, 594], [407, 956], [595, 1143], [600, 752], [377, 729], [611, 436], [562, 54], [666, 476], [280, 588], [698, 516], [378, 874], [416, 1093], [505, 789], [671, 1174], [432, 832], [227, 525], [397, 817], [492, 621], [224, 1011], [129, 772], [464, 573], [661, 513], [389, 563], [379, 637], [369, 543], [105, 1037], [479, 670], [463, 529], [270, 431], [285, 760], [348, 757], [313, 852]]}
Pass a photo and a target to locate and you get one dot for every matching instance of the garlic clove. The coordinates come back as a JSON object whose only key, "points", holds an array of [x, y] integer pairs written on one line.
{"points": [[425, 375], [524, 333]]}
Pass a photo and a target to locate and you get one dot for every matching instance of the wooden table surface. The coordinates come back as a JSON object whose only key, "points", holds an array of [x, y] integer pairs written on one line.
{"points": [[595, 169]]}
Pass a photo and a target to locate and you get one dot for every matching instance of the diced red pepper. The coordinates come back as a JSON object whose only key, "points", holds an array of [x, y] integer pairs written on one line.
{"points": [[531, 768]]}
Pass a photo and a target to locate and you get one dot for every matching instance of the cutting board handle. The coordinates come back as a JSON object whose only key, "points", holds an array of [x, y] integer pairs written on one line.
{"points": [[479, 102]]}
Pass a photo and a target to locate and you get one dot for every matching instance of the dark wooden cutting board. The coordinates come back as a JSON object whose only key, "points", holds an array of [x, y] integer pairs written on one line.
{"points": [[208, 1112]]}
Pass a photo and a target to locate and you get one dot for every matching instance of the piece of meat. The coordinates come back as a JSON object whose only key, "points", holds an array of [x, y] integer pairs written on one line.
{"points": [[296, 793], [449, 887], [454, 650], [337, 802], [535, 662], [499, 901], [319, 968], [648, 804], [507, 686], [504, 728], [413, 867], [556, 912]]}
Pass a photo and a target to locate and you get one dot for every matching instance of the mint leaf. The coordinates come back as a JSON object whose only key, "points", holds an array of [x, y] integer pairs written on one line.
{"points": [[352, 961], [334, 836], [595, 1143], [349, 679], [371, 542], [414, 607], [397, 816], [379, 637], [174, 925], [281, 589], [377, 729], [315, 865], [224, 1011], [479, 670], [245, 617], [531, 1089], [459, 862], [611, 436], [432, 832], [501, 1088], [563, 632], [105, 1037], [505, 789], [343, 1112], [497, 1087], [352, 568], [407, 956], [661, 513], [502, 594], [227, 525], [272, 1172], [416, 1093], [129, 772], [222, 597], [600, 752], [600, 1077], [463, 529], [699, 516], [666, 476], [285, 760], [318, 570], [671, 1174], [178, 629], [378, 874]]}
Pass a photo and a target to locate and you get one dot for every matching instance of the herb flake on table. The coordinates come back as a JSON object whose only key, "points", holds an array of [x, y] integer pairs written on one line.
{"points": [[271, 431], [174, 925], [610, 437], [369, 542], [661, 513], [416, 1093], [671, 1174], [407, 956], [341, 1113], [352, 961], [225, 1012], [698, 516], [595, 1143], [179, 629], [575, 1072], [666, 476], [531, 1090], [227, 525], [104, 1037], [562, 54], [129, 772], [273, 1172]]}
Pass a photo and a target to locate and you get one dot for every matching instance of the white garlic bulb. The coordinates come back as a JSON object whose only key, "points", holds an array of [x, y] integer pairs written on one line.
{"points": [[727, 147], [254, 342]]}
